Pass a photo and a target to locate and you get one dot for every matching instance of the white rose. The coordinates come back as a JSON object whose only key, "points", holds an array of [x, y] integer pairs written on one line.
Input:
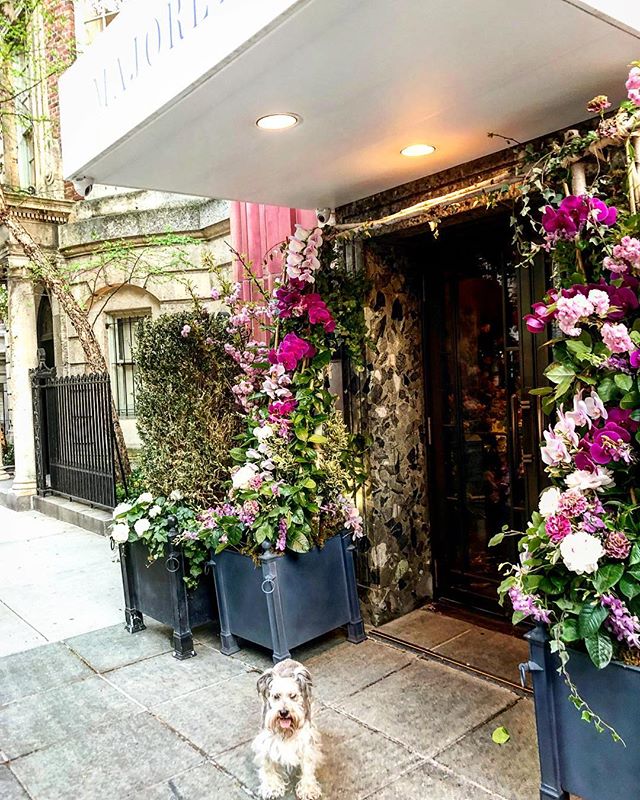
{"points": [[146, 498], [580, 552], [121, 509], [175, 495], [549, 500], [120, 532], [154, 511], [242, 476], [582, 479], [263, 432], [141, 526]]}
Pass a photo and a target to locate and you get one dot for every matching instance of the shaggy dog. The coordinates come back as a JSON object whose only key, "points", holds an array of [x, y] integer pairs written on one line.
{"points": [[288, 740]]}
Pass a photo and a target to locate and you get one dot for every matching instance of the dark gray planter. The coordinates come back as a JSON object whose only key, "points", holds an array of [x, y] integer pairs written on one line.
{"points": [[159, 591], [574, 758], [287, 600]]}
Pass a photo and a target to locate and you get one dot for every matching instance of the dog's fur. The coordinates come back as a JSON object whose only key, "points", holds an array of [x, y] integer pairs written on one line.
{"points": [[288, 740]]}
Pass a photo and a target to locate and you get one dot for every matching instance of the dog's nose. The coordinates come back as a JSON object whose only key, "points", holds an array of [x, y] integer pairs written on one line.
{"points": [[284, 713]]}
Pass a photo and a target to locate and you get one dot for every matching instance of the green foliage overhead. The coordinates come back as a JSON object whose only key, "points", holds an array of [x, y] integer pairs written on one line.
{"points": [[187, 417]]}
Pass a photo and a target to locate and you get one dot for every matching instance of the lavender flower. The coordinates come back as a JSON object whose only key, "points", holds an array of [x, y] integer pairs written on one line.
{"points": [[527, 604], [281, 544], [622, 624]]}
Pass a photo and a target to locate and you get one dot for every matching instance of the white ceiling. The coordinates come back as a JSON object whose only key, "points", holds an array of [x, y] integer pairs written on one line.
{"points": [[368, 77]]}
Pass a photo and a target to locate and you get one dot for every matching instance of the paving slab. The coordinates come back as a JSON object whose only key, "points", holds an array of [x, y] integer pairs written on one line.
{"points": [[218, 717], [347, 668], [204, 782], [122, 757], [70, 602], [60, 713], [427, 705], [115, 647], [37, 670], [27, 526], [155, 680], [425, 628], [10, 789], [510, 769], [429, 782], [490, 651], [357, 760], [16, 634]]}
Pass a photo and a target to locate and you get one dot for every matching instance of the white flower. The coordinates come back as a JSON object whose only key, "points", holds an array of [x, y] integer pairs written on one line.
{"points": [[584, 480], [121, 509], [154, 511], [580, 552], [176, 495], [251, 453], [242, 476], [549, 500], [145, 498], [263, 432], [141, 526], [120, 532]]}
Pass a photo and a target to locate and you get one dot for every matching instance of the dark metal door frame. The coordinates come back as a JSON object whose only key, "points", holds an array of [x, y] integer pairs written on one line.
{"points": [[530, 284]]}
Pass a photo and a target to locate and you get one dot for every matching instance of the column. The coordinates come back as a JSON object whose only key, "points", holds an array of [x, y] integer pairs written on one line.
{"points": [[23, 350]]}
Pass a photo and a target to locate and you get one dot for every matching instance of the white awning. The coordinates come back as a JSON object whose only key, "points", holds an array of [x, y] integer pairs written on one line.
{"points": [[168, 96]]}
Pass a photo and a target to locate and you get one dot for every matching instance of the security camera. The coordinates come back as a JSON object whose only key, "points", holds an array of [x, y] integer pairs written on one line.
{"points": [[83, 185], [325, 216]]}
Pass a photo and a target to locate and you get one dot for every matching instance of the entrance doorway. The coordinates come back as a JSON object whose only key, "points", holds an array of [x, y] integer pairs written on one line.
{"points": [[483, 425], [45, 330]]}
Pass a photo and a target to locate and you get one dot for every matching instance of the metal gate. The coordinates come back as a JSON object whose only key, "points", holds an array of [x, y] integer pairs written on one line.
{"points": [[74, 438]]}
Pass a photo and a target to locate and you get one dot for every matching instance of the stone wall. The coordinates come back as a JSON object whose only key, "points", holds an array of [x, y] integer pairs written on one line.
{"points": [[395, 565]]}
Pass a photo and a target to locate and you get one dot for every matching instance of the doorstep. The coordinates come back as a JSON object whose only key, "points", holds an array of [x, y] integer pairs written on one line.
{"points": [[70, 511], [458, 643]]}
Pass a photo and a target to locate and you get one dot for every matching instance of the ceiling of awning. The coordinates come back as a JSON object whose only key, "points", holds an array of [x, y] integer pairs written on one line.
{"points": [[367, 77]]}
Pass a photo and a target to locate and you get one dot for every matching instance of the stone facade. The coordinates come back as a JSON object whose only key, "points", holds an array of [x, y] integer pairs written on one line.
{"points": [[398, 569]]}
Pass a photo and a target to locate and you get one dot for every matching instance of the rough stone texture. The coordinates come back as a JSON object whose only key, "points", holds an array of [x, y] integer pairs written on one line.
{"points": [[38, 670], [391, 410], [204, 782], [10, 789], [426, 629], [429, 782]]}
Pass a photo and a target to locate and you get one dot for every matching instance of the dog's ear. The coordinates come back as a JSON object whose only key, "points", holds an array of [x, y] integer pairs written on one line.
{"points": [[303, 679], [264, 683]]}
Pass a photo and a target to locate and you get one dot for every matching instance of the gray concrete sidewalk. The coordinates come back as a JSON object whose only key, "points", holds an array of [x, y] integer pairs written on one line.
{"points": [[92, 713], [56, 580]]}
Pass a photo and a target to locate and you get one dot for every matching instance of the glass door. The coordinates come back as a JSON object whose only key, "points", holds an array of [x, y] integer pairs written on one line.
{"points": [[479, 413]]}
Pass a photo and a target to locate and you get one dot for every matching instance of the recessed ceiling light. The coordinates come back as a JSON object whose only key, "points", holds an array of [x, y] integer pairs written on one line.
{"points": [[278, 122], [414, 150]]}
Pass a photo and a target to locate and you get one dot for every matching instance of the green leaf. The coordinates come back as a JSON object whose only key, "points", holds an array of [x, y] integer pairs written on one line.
{"points": [[541, 391], [298, 542], [607, 576], [558, 373], [501, 735], [496, 539], [634, 556], [630, 400], [238, 454], [624, 382], [607, 390], [570, 632], [629, 587], [262, 532], [590, 619], [317, 438], [301, 433], [600, 649], [634, 571]]}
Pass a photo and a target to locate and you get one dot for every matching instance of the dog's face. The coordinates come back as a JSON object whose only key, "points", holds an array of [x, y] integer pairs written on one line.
{"points": [[286, 697]]}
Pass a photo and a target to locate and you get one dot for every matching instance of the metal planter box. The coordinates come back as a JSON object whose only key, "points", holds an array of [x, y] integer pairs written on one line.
{"points": [[574, 758], [158, 590], [287, 600]]}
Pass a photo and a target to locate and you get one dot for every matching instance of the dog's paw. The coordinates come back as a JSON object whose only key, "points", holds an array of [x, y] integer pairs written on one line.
{"points": [[273, 789], [308, 790]]}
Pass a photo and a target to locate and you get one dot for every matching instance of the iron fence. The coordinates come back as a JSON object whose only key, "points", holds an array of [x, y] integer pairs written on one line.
{"points": [[74, 438]]}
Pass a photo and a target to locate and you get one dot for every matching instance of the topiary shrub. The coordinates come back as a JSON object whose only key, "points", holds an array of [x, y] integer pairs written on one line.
{"points": [[186, 413]]}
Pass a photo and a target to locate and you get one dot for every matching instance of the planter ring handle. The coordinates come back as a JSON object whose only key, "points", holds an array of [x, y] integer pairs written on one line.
{"points": [[272, 582], [172, 560]]}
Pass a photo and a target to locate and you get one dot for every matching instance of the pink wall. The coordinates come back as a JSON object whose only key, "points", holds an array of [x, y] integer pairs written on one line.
{"points": [[256, 230]]}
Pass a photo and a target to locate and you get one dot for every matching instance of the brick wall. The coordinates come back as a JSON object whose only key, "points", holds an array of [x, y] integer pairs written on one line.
{"points": [[61, 51]]}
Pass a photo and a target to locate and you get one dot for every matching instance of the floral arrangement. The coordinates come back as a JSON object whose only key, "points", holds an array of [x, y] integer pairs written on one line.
{"points": [[579, 570], [296, 466], [148, 519]]}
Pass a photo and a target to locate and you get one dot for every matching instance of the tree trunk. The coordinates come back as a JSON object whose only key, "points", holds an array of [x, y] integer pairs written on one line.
{"points": [[44, 269]]}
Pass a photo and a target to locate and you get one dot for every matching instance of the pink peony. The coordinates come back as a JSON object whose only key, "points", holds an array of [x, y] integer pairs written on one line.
{"points": [[557, 527], [616, 545], [616, 338]]}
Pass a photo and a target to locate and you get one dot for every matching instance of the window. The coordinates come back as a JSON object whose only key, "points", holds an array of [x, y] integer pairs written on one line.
{"points": [[23, 87], [122, 346]]}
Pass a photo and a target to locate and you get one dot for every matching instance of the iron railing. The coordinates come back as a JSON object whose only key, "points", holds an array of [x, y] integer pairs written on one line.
{"points": [[74, 438]]}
